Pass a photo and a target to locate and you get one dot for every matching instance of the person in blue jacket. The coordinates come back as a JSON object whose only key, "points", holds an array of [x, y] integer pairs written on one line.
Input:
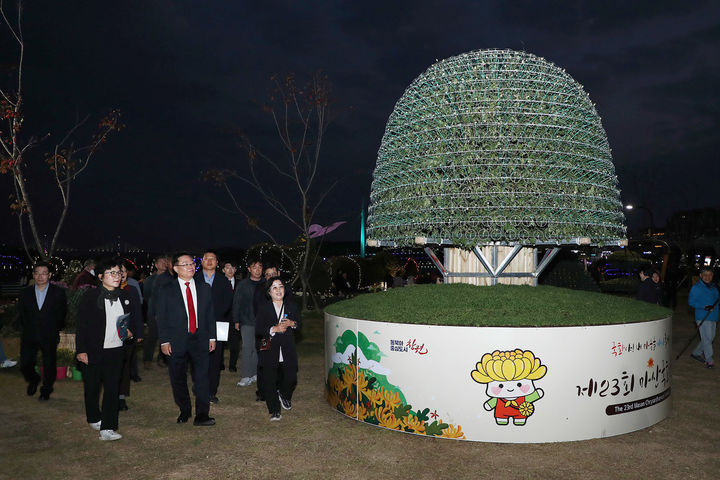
{"points": [[704, 299]]}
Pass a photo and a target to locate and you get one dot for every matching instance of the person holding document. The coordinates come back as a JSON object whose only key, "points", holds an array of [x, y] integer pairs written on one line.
{"points": [[222, 296], [102, 327]]}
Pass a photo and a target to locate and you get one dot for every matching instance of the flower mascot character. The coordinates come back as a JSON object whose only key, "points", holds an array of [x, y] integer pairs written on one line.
{"points": [[510, 377]]}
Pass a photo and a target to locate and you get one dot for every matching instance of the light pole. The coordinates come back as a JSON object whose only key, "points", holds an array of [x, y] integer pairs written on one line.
{"points": [[630, 207]]}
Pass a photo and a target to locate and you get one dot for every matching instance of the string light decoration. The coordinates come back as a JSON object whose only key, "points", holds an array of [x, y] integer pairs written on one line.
{"points": [[267, 252], [495, 147]]}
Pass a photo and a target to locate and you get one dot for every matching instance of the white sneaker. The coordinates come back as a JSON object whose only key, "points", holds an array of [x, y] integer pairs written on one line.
{"points": [[95, 425], [253, 379], [244, 382], [8, 363], [109, 435]]}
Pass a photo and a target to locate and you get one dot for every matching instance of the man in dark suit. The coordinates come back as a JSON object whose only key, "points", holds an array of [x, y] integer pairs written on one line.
{"points": [[42, 310], [186, 331], [222, 295], [152, 284], [233, 342]]}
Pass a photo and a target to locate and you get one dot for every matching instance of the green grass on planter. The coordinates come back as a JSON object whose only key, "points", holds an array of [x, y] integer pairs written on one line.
{"points": [[501, 305]]}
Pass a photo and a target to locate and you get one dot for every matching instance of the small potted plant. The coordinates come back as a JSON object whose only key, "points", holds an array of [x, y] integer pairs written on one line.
{"points": [[65, 358]]}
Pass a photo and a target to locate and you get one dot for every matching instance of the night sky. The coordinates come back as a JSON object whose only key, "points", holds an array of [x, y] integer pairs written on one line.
{"points": [[189, 75]]}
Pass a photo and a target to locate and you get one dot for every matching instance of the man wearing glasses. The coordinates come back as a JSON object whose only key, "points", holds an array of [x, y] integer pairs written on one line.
{"points": [[186, 331], [42, 310]]}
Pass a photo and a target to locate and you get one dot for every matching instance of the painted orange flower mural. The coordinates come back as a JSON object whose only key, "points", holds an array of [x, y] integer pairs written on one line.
{"points": [[369, 397]]}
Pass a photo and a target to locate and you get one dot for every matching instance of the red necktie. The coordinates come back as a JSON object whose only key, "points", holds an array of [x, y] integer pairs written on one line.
{"points": [[191, 308]]}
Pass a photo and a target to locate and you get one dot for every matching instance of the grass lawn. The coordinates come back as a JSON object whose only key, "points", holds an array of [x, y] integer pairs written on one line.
{"points": [[500, 305], [51, 440]]}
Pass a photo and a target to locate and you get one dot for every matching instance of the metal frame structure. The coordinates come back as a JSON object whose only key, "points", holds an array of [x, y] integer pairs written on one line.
{"points": [[495, 269]]}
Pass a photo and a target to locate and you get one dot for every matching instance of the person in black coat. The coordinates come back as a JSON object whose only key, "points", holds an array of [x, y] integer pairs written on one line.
{"points": [[187, 332], [222, 295], [42, 309], [135, 324], [99, 347], [650, 289], [276, 324]]}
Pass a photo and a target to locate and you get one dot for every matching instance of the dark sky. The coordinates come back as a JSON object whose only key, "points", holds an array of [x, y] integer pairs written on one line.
{"points": [[188, 75]]}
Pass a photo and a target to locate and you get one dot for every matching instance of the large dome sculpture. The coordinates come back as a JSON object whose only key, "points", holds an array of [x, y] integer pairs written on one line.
{"points": [[495, 147]]}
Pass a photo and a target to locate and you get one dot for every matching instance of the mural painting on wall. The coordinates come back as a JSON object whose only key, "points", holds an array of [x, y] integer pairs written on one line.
{"points": [[510, 378], [358, 387]]}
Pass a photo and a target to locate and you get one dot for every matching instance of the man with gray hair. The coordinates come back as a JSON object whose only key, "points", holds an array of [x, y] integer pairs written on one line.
{"points": [[153, 284], [86, 276]]}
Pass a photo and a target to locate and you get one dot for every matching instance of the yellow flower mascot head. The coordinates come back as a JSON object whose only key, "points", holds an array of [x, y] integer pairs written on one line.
{"points": [[510, 377]]}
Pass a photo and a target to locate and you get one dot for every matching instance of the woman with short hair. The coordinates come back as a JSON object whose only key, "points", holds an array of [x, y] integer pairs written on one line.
{"points": [[99, 347], [276, 324]]}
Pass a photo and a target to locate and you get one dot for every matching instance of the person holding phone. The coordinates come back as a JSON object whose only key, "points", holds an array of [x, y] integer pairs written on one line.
{"points": [[276, 324]]}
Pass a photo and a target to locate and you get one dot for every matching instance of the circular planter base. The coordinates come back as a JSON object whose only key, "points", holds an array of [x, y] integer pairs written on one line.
{"points": [[496, 384]]}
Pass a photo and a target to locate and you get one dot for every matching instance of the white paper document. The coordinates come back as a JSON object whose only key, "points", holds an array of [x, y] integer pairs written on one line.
{"points": [[222, 331]]}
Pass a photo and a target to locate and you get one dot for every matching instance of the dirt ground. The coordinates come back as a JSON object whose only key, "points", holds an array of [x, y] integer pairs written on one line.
{"points": [[51, 440]]}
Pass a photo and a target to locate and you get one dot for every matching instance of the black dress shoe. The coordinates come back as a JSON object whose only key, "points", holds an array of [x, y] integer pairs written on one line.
{"points": [[122, 405], [214, 399], [183, 417], [43, 397], [203, 420], [232, 369], [32, 387], [136, 378]]}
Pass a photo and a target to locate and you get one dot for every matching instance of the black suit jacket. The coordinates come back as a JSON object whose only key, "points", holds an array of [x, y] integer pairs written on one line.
{"points": [[90, 334], [43, 324], [222, 295], [172, 319], [136, 317], [266, 319]]}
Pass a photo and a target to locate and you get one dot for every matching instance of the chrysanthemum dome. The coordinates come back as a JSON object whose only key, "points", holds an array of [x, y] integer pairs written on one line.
{"points": [[495, 146]]}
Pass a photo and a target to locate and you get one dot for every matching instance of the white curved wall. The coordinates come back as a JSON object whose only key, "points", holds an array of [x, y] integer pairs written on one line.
{"points": [[598, 381]]}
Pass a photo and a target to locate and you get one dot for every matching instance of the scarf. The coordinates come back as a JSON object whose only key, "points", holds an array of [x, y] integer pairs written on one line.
{"points": [[106, 294]]}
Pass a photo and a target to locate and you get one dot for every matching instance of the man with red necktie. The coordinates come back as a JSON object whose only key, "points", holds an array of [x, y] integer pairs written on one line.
{"points": [[186, 330]]}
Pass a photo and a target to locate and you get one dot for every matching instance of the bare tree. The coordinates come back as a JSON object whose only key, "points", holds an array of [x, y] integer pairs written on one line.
{"points": [[300, 120], [66, 160]]}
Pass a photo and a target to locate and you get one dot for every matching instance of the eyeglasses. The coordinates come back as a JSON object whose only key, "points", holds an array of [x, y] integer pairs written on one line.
{"points": [[113, 273], [185, 264]]}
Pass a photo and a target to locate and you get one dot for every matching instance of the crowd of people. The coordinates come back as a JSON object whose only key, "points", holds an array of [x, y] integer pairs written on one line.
{"points": [[182, 316]]}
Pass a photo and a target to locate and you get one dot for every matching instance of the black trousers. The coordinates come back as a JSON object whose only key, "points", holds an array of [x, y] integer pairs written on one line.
{"points": [[214, 361], [282, 378], [133, 364], [128, 355], [105, 375], [150, 340], [234, 345], [29, 348], [198, 355]]}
